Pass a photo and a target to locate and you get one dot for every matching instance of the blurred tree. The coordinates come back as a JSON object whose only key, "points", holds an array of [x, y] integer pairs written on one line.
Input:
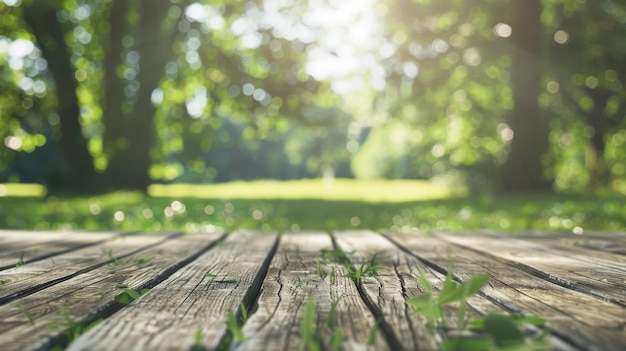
{"points": [[50, 35], [587, 73], [134, 132], [483, 82], [449, 75], [170, 69], [523, 169]]}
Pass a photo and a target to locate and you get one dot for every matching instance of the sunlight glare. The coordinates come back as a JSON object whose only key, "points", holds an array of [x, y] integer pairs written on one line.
{"points": [[347, 30]]}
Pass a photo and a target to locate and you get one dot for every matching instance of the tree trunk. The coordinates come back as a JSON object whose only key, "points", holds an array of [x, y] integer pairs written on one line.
{"points": [[523, 170], [78, 173], [116, 123], [597, 118], [130, 168]]}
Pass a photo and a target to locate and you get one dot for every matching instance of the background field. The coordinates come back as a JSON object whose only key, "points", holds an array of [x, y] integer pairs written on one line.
{"points": [[310, 204]]}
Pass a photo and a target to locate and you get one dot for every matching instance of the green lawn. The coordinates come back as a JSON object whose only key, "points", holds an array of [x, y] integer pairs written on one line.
{"points": [[300, 205]]}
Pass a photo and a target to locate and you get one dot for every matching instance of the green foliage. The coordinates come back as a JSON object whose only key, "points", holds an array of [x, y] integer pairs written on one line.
{"points": [[142, 260], [356, 273], [366, 269], [240, 84], [234, 327], [336, 340], [330, 320], [128, 295], [491, 332], [234, 324], [26, 314], [311, 341], [72, 329], [430, 306], [371, 339], [333, 275], [20, 261], [115, 261], [198, 339], [320, 270]]}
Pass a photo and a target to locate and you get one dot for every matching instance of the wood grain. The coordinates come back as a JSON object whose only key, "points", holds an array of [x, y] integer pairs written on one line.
{"points": [[398, 281], [601, 277], [26, 246], [576, 318], [189, 302], [29, 278], [91, 296], [292, 279], [576, 282]]}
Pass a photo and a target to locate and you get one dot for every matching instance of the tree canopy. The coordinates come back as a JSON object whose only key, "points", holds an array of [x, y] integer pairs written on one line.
{"points": [[518, 95]]}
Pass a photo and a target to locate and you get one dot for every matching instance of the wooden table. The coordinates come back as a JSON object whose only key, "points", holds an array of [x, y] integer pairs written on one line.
{"points": [[53, 285]]}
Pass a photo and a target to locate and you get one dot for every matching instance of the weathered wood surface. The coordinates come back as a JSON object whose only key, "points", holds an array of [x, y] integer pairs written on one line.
{"points": [[92, 295], [292, 280], [576, 282], [189, 302], [575, 317], [19, 247]]}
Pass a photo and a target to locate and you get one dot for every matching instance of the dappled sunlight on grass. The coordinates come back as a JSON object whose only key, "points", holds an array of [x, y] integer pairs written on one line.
{"points": [[338, 189], [135, 211]]}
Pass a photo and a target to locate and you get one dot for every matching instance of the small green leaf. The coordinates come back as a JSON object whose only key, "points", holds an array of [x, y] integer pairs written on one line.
{"points": [[123, 298], [142, 260], [197, 338], [320, 270], [234, 327], [474, 285], [26, 314], [503, 330], [308, 329], [20, 262], [532, 320], [449, 291], [425, 306], [244, 312], [210, 275], [132, 293], [330, 321], [371, 338], [336, 339], [428, 287], [458, 293]]}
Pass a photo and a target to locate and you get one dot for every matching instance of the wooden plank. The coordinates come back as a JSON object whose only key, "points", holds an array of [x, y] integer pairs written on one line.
{"points": [[18, 248], [90, 296], [292, 279], [581, 320], [27, 279], [600, 277], [20, 239], [189, 302], [397, 281], [612, 247]]}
